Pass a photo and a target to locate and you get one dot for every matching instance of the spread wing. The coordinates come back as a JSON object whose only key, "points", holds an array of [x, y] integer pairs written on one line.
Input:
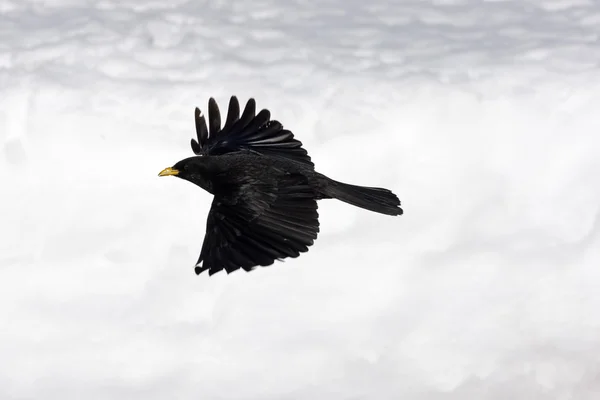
{"points": [[270, 222], [250, 131]]}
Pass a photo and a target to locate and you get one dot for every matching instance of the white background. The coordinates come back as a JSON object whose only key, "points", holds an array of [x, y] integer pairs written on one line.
{"points": [[480, 115]]}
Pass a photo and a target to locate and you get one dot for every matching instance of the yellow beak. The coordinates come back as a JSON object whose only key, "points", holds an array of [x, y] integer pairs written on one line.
{"points": [[168, 171]]}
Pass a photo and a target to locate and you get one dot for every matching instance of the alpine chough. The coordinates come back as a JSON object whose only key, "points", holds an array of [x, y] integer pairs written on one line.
{"points": [[265, 189]]}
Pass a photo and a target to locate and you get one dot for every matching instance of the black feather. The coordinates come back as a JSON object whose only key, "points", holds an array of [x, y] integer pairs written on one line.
{"points": [[196, 147], [214, 117], [201, 130], [251, 132], [269, 225], [247, 115], [233, 114]]}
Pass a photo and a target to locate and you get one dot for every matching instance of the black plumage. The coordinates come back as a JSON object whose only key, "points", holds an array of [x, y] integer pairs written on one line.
{"points": [[265, 189]]}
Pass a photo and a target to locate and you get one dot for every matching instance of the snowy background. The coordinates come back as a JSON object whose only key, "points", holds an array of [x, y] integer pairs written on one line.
{"points": [[480, 115]]}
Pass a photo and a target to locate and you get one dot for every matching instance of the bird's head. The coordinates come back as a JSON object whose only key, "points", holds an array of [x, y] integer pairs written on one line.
{"points": [[191, 169]]}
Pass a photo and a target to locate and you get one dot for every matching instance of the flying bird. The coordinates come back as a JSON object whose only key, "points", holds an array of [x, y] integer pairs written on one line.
{"points": [[265, 189]]}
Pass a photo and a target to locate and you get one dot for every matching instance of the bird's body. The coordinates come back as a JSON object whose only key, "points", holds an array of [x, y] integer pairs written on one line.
{"points": [[265, 191], [219, 173]]}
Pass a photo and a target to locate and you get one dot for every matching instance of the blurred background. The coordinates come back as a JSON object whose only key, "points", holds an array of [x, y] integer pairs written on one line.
{"points": [[480, 115]]}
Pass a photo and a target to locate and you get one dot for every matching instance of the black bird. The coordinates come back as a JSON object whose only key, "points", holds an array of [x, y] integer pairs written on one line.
{"points": [[265, 189]]}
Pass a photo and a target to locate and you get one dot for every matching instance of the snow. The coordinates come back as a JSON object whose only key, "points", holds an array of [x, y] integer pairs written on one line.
{"points": [[480, 115]]}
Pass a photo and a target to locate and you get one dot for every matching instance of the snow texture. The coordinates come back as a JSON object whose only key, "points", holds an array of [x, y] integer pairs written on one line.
{"points": [[480, 115]]}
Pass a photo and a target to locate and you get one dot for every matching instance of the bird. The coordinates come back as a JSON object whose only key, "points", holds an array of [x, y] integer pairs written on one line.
{"points": [[265, 189]]}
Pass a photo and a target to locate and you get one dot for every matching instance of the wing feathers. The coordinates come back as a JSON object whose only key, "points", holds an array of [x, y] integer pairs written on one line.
{"points": [[247, 115], [196, 147], [201, 129], [251, 132], [214, 117], [285, 226], [233, 113]]}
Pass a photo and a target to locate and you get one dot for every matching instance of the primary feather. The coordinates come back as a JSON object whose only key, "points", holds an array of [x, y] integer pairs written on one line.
{"points": [[252, 132]]}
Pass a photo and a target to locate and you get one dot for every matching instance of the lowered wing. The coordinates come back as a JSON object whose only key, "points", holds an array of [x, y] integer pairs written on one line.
{"points": [[254, 228]]}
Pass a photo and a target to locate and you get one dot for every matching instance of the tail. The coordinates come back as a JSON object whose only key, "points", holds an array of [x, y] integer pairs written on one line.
{"points": [[375, 199]]}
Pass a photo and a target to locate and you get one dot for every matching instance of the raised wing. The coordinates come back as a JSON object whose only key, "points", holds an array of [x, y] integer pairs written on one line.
{"points": [[250, 131], [270, 223]]}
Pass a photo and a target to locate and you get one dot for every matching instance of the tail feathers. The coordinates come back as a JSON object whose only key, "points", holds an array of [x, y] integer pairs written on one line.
{"points": [[375, 199]]}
